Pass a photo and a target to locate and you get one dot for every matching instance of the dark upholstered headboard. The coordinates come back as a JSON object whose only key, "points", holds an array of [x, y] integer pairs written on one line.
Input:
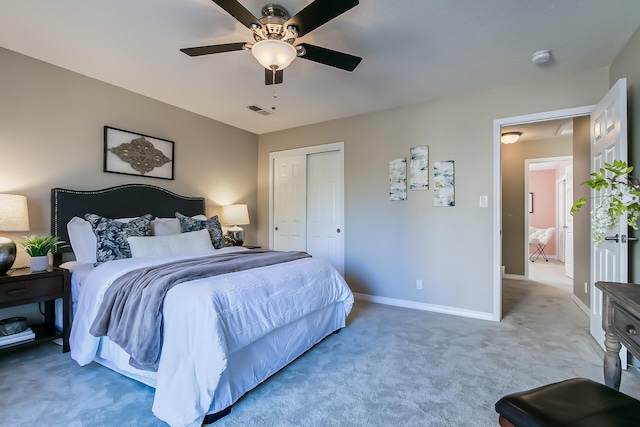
{"points": [[123, 201]]}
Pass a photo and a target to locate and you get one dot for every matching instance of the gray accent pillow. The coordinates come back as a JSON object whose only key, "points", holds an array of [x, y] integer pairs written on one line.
{"points": [[212, 224], [112, 235]]}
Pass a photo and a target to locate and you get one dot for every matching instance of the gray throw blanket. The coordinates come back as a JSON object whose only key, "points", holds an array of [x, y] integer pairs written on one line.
{"points": [[131, 312]]}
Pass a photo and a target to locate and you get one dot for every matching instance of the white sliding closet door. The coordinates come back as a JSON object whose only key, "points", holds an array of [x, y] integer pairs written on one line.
{"points": [[290, 203], [324, 207], [307, 202]]}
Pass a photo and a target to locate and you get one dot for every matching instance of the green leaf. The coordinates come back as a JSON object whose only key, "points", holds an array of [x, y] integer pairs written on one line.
{"points": [[41, 245], [578, 204]]}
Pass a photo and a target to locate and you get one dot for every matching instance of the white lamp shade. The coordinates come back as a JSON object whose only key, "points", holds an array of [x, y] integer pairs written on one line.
{"points": [[510, 137], [270, 53], [235, 214], [14, 215]]}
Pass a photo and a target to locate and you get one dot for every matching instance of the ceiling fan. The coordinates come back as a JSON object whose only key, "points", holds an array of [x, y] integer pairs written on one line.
{"points": [[275, 34]]}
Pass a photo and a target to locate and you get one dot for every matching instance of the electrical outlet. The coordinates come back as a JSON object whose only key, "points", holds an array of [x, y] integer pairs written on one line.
{"points": [[419, 284], [586, 288]]}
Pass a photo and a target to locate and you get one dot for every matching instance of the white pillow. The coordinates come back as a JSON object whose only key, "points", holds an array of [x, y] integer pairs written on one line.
{"points": [[84, 242], [82, 239], [165, 227], [169, 226], [195, 241]]}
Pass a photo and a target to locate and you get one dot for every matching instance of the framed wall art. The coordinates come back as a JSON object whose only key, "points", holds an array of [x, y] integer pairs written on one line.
{"points": [[443, 177], [136, 154], [398, 179], [419, 168]]}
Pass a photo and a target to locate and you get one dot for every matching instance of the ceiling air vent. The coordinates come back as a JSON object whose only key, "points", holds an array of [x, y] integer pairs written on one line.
{"points": [[259, 110]]}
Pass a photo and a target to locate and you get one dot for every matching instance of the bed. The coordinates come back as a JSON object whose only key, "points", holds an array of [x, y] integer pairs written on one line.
{"points": [[217, 339]]}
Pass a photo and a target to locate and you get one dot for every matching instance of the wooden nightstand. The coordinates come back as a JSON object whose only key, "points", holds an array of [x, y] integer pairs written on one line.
{"points": [[22, 286]]}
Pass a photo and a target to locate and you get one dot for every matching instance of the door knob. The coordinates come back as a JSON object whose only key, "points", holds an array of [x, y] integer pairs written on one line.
{"points": [[615, 238], [338, 230], [276, 228]]}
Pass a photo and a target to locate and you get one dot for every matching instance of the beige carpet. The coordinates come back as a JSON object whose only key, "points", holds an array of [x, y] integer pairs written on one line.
{"points": [[550, 273], [390, 366]]}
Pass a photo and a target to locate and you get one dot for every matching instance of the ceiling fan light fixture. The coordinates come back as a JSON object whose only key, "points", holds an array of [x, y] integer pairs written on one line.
{"points": [[510, 137], [274, 53]]}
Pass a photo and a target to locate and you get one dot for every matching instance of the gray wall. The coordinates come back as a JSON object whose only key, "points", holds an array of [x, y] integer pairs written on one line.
{"points": [[581, 220], [388, 245], [627, 64], [51, 135]]}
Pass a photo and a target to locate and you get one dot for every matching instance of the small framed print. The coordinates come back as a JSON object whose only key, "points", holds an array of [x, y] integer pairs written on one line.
{"points": [[136, 154]]}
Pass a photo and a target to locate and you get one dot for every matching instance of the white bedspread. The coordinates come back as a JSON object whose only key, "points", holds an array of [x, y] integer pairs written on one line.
{"points": [[205, 320]]}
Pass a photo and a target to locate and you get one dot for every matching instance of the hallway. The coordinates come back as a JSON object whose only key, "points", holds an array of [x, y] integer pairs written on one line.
{"points": [[550, 273]]}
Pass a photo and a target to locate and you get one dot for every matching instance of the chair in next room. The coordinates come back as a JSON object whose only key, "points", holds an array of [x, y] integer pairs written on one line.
{"points": [[538, 239]]}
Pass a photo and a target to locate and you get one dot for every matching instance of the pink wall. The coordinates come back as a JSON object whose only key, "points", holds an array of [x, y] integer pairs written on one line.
{"points": [[543, 186]]}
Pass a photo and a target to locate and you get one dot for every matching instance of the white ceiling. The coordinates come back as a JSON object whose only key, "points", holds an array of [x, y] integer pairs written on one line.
{"points": [[541, 130], [413, 51]]}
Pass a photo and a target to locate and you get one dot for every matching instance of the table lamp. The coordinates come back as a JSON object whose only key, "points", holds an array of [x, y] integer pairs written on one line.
{"points": [[14, 216], [235, 215]]}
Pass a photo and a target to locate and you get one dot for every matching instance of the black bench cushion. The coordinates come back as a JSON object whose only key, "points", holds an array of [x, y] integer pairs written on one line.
{"points": [[570, 403]]}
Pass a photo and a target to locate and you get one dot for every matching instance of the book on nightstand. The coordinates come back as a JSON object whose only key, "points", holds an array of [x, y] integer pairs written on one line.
{"points": [[15, 339]]}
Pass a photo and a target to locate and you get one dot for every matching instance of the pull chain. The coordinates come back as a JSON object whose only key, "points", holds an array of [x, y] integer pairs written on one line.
{"points": [[273, 95]]}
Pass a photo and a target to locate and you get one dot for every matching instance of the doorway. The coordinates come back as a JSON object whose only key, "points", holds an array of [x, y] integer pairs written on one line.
{"points": [[500, 217], [547, 182]]}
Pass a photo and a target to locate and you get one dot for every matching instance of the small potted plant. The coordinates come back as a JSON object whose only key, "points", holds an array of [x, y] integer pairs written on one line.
{"points": [[38, 248]]}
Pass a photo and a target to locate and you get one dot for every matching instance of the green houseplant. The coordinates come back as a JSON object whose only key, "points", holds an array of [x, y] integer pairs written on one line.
{"points": [[622, 198], [38, 248]]}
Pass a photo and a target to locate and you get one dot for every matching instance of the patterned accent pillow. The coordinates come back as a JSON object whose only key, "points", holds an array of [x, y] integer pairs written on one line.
{"points": [[212, 224], [112, 235]]}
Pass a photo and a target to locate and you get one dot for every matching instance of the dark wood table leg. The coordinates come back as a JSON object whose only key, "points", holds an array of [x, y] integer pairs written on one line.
{"points": [[49, 317], [66, 312], [612, 368]]}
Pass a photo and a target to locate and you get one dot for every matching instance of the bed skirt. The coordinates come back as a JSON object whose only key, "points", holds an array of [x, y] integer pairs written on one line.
{"points": [[246, 367]]}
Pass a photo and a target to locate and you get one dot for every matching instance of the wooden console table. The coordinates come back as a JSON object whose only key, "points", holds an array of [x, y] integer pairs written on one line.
{"points": [[621, 323]]}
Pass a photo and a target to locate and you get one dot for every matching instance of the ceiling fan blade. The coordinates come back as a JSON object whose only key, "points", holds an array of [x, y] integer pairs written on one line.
{"points": [[268, 77], [238, 11], [216, 48], [330, 57], [317, 13]]}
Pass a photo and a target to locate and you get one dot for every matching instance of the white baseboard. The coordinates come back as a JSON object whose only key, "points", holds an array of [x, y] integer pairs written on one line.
{"points": [[580, 304], [425, 307], [513, 276]]}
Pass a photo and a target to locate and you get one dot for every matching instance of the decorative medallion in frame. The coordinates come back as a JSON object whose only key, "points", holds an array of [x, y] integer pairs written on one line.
{"points": [[136, 154]]}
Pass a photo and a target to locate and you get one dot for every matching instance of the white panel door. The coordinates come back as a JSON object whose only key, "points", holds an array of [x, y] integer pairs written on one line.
{"points": [[325, 230], [568, 259], [609, 261], [561, 218], [290, 203]]}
